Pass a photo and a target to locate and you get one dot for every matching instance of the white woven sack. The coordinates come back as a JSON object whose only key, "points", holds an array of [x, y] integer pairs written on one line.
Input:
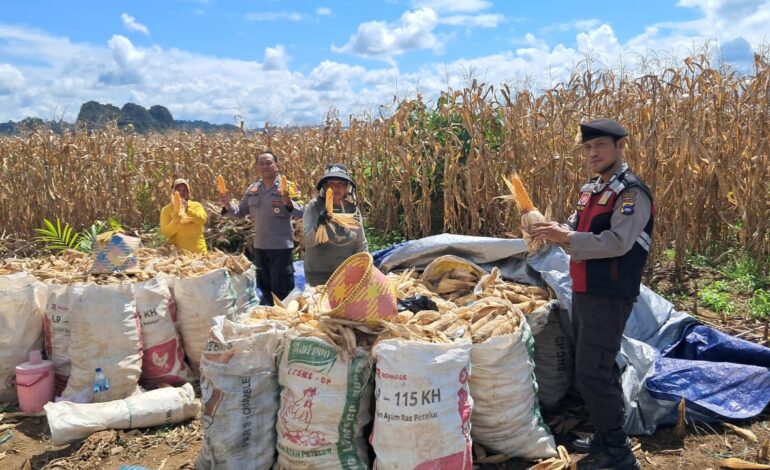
{"points": [[506, 414], [239, 389], [198, 300], [325, 400], [245, 286], [21, 327], [70, 422], [106, 333], [423, 405]]}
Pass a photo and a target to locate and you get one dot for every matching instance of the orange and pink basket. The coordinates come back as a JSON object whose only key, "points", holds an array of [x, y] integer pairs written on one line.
{"points": [[358, 291]]}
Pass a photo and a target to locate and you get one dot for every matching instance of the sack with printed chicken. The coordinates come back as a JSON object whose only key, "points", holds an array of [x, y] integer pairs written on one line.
{"points": [[163, 360]]}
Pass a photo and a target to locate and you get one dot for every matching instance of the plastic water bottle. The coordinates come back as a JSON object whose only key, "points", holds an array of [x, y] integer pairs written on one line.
{"points": [[101, 384]]}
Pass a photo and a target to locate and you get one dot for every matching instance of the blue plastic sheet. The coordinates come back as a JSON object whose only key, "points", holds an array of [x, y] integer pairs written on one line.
{"points": [[717, 374]]}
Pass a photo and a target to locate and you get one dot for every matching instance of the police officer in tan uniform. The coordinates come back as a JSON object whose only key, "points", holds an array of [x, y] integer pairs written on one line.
{"points": [[609, 236], [271, 210]]}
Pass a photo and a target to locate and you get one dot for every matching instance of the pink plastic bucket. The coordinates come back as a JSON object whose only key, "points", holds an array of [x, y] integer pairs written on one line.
{"points": [[34, 383]]}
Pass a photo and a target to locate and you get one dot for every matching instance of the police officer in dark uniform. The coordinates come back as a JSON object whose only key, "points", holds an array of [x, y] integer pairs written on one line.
{"points": [[609, 236]]}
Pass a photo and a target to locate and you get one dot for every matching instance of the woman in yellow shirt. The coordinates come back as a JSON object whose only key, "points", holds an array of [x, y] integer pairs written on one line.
{"points": [[184, 227]]}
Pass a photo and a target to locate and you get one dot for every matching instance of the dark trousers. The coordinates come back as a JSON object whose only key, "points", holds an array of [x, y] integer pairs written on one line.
{"points": [[598, 323], [275, 273]]}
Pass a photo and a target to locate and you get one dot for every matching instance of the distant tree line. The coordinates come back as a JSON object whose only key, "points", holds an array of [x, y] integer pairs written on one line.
{"points": [[94, 115]]}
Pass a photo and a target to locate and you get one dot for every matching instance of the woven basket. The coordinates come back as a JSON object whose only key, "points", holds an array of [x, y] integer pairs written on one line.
{"points": [[359, 291]]}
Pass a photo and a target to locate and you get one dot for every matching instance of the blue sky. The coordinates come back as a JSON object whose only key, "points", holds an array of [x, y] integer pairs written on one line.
{"points": [[290, 62]]}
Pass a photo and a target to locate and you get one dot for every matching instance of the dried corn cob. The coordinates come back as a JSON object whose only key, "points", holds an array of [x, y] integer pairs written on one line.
{"points": [[176, 203], [221, 186]]}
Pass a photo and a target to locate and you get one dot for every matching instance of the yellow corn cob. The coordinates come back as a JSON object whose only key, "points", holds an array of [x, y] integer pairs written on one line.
{"points": [[283, 186], [176, 202], [329, 201], [519, 193], [221, 187]]}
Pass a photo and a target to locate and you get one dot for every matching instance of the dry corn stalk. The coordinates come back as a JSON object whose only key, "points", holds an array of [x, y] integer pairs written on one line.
{"points": [[221, 186], [681, 422], [529, 213]]}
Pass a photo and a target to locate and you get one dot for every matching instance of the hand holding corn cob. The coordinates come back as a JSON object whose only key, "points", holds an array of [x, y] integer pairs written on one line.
{"points": [[347, 221]]}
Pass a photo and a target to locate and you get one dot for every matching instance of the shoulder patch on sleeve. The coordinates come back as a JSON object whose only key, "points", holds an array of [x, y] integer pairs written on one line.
{"points": [[627, 202]]}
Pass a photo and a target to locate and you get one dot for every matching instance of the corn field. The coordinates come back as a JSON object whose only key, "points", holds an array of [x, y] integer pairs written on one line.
{"points": [[698, 137]]}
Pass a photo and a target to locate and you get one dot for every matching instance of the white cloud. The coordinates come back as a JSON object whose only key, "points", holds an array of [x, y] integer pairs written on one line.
{"points": [[383, 41], [450, 6], [42, 74], [323, 11], [11, 79], [267, 16], [130, 23], [488, 20], [275, 58]]}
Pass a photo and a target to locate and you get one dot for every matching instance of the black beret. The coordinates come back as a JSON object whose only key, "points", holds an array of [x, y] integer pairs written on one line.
{"points": [[602, 127]]}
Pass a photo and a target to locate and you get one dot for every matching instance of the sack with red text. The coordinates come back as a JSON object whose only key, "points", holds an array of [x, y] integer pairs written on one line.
{"points": [[325, 399], [56, 322], [423, 405], [163, 360], [239, 391]]}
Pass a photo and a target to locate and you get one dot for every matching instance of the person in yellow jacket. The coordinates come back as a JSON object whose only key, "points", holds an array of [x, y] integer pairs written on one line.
{"points": [[184, 227]]}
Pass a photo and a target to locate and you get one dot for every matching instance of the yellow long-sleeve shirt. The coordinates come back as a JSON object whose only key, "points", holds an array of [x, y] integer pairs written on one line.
{"points": [[186, 233]]}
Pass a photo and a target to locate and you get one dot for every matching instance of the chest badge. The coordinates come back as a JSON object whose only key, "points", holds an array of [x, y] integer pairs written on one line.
{"points": [[583, 200], [605, 198]]}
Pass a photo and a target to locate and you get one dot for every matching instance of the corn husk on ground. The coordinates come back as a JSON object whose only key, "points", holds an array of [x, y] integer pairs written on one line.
{"points": [[348, 221], [73, 266], [529, 213]]}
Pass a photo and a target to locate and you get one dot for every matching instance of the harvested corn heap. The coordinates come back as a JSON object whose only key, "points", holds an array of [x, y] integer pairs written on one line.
{"points": [[529, 213], [73, 266]]}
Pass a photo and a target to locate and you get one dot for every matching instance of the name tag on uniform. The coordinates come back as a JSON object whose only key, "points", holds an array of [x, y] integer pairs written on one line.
{"points": [[583, 200], [605, 198]]}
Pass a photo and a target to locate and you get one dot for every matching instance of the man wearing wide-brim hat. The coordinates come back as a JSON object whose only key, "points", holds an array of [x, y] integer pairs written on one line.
{"points": [[609, 236], [321, 259]]}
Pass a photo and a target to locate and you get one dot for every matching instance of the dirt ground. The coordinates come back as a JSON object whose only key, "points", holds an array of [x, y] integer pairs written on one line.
{"points": [[176, 447]]}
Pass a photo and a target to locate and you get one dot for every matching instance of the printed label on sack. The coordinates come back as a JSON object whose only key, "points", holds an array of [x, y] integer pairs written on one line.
{"points": [[312, 353], [306, 433]]}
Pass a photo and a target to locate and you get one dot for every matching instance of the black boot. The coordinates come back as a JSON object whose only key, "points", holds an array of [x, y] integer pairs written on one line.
{"points": [[588, 445], [616, 454]]}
